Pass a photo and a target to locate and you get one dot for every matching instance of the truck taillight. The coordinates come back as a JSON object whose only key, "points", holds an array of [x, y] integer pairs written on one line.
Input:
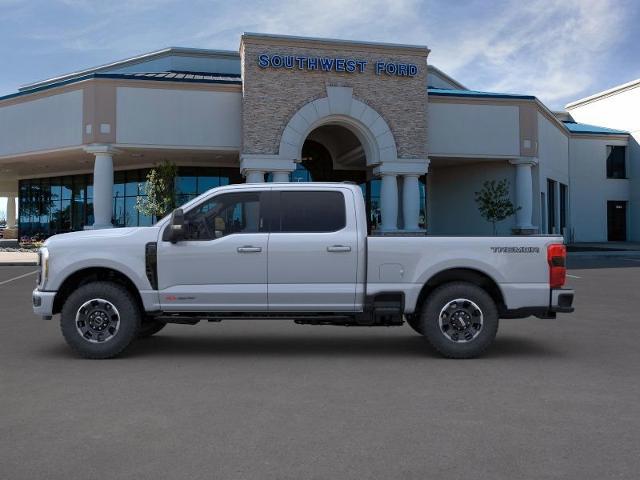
{"points": [[557, 258]]}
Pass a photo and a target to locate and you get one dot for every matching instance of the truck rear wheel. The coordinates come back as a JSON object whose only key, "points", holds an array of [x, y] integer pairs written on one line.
{"points": [[414, 321], [100, 319], [459, 319]]}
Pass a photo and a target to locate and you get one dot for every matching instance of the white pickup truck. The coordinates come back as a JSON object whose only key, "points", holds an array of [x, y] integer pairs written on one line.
{"points": [[296, 251]]}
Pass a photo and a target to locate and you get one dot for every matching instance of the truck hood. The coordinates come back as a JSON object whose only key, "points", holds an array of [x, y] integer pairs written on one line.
{"points": [[103, 237]]}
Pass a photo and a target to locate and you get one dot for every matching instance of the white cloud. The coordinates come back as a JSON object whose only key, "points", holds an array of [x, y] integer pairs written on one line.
{"points": [[554, 49], [548, 48]]}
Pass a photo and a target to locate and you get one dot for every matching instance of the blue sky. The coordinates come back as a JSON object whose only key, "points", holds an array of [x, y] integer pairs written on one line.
{"points": [[558, 50]]}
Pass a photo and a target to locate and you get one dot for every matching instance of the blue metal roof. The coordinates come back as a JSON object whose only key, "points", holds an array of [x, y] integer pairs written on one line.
{"points": [[444, 92], [173, 76], [575, 127], [176, 75]]}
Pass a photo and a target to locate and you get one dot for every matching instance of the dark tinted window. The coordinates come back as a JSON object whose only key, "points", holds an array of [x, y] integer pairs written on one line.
{"points": [[551, 205], [224, 215], [616, 167], [312, 211]]}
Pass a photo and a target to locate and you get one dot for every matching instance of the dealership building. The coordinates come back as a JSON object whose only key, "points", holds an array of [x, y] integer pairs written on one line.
{"points": [[75, 149]]}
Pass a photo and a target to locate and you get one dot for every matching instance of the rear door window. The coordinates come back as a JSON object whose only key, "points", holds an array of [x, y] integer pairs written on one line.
{"points": [[309, 211]]}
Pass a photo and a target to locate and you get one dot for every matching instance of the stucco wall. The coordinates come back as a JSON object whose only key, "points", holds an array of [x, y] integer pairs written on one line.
{"points": [[165, 117], [272, 96], [553, 157], [590, 189], [463, 129], [45, 123], [621, 111], [453, 210]]}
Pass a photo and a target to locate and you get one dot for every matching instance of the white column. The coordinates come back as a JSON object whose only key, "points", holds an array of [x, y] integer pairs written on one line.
{"points": [[254, 176], [102, 185], [280, 176], [410, 201], [389, 202], [524, 192], [11, 212]]}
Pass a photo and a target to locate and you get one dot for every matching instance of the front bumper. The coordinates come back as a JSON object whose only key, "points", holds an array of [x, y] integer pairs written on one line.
{"points": [[43, 303]]}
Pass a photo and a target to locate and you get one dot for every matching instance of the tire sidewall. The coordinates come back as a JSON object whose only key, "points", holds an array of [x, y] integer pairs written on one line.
{"points": [[149, 327], [129, 319], [414, 321], [430, 326]]}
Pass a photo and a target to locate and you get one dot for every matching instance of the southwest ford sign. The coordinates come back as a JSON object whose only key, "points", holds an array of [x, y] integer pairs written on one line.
{"points": [[331, 64]]}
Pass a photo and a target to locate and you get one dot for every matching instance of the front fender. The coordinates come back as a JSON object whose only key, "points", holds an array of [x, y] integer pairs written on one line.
{"points": [[61, 268]]}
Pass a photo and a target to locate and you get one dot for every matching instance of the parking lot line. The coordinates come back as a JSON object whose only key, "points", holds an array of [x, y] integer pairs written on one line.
{"points": [[572, 276], [18, 277]]}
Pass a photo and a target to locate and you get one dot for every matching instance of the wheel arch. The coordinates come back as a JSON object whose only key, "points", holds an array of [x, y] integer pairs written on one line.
{"points": [[470, 275], [93, 274]]}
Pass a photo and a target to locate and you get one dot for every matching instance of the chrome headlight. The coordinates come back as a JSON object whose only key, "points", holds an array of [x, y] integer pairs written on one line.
{"points": [[43, 261]]}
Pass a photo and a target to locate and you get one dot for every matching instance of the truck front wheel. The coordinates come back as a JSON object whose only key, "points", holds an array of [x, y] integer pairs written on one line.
{"points": [[150, 326], [459, 319], [100, 319]]}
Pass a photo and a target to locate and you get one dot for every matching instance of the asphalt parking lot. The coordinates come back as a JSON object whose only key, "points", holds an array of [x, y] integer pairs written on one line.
{"points": [[273, 400]]}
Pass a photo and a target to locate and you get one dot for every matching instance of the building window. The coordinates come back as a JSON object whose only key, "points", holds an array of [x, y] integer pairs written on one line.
{"points": [[61, 204], [543, 212], [551, 206], [616, 161], [563, 206]]}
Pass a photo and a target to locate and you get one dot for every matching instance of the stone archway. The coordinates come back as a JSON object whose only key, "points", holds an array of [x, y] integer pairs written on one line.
{"points": [[340, 108]]}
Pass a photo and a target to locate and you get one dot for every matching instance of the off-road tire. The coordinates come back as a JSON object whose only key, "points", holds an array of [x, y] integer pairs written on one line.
{"points": [[149, 327], [128, 323], [445, 296], [414, 321]]}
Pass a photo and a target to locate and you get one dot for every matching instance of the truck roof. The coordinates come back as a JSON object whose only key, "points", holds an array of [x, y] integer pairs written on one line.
{"points": [[290, 185]]}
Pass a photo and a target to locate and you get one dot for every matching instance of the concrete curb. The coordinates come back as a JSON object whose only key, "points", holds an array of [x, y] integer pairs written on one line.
{"points": [[616, 253], [18, 264]]}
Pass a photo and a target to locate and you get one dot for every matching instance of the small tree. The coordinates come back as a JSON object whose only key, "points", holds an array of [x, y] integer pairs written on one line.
{"points": [[160, 192], [494, 203]]}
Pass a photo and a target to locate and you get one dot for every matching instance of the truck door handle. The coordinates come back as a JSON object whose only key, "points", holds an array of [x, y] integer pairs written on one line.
{"points": [[249, 249], [339, 248]]}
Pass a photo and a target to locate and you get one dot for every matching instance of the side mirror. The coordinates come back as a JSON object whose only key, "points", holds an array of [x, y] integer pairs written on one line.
{"points": [[176, 226]]}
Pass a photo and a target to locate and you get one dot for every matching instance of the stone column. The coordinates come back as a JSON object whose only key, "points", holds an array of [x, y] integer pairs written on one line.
{"points": [[254, 166], [11, 232], [102, 185], [389, 202], [410, 201], [254, 176], [11, 212], [524, 195], [410, 170], [280, 176]]}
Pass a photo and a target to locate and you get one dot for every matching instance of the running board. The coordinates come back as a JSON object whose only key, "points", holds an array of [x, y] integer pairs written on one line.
{"points": [[381, 317]]}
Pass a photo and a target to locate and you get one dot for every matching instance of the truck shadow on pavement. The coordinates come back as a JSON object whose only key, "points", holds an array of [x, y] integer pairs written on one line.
{"points": [[335, 346]]}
